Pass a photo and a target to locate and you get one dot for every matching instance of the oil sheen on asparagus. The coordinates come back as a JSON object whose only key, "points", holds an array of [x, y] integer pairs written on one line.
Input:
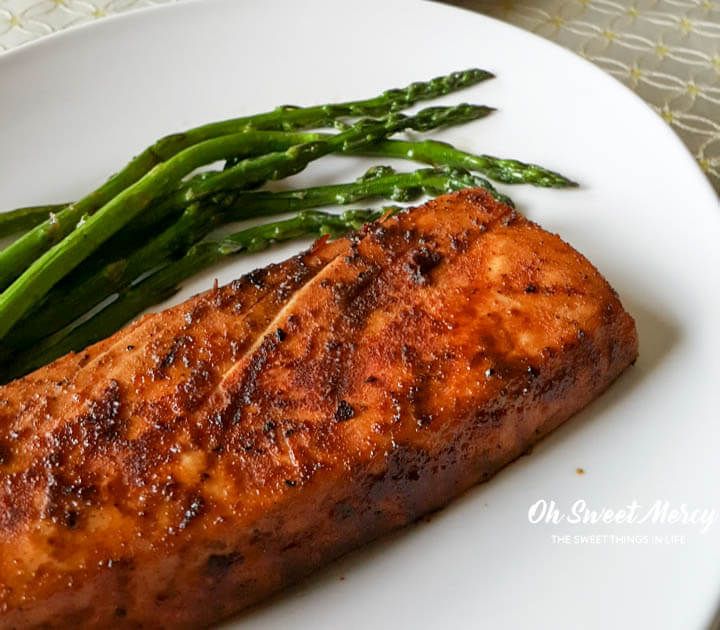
{"points": [[77, 271]]}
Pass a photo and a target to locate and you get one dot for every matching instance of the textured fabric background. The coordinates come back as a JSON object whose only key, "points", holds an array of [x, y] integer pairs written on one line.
{"points": [[668, 51]]}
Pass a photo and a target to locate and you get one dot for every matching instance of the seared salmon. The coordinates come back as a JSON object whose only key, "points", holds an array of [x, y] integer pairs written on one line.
{"points": [[210, 454]]}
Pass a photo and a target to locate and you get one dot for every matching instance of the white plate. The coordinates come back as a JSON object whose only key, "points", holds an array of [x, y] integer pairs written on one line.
{"points": [[75, 107]]}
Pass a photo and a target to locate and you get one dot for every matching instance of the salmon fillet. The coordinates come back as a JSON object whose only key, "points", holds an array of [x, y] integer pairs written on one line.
{"points": [[208, 455]]}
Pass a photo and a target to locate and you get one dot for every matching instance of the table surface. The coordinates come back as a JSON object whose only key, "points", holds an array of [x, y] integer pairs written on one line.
{"points": [[668, 51]]}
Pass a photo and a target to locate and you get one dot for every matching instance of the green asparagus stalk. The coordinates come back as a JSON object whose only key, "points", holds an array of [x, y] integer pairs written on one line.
{"points": [[256, 143], [74, 297], [378, 182], [435, 153], [207, 183], [19, 256], [165, 282], [23, 219], [502, 170], [20, 297], [233, 177]]}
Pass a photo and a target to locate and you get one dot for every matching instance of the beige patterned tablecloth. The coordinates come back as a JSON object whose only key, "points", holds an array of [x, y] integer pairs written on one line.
{"points": [[668, 51]]}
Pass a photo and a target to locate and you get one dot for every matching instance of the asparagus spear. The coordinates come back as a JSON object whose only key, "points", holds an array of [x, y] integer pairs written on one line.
{"points": [[56, 263], [18, 257], [72, 298], [164, 283], [207, 183], [204, 183], [233, 177], [506, 171], [256, 143], [76, 296], [503, 170], [25, 218], [377, 182]]}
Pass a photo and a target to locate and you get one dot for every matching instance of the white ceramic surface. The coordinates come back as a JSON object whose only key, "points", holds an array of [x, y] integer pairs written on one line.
{"points": [[76, 106]]}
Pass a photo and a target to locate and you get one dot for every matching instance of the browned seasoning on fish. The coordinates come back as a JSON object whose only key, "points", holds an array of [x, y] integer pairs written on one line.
{"points": [[208, 455]]}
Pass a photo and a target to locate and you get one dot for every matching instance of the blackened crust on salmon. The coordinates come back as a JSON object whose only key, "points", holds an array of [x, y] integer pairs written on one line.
{"points": [[206, 456]]}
